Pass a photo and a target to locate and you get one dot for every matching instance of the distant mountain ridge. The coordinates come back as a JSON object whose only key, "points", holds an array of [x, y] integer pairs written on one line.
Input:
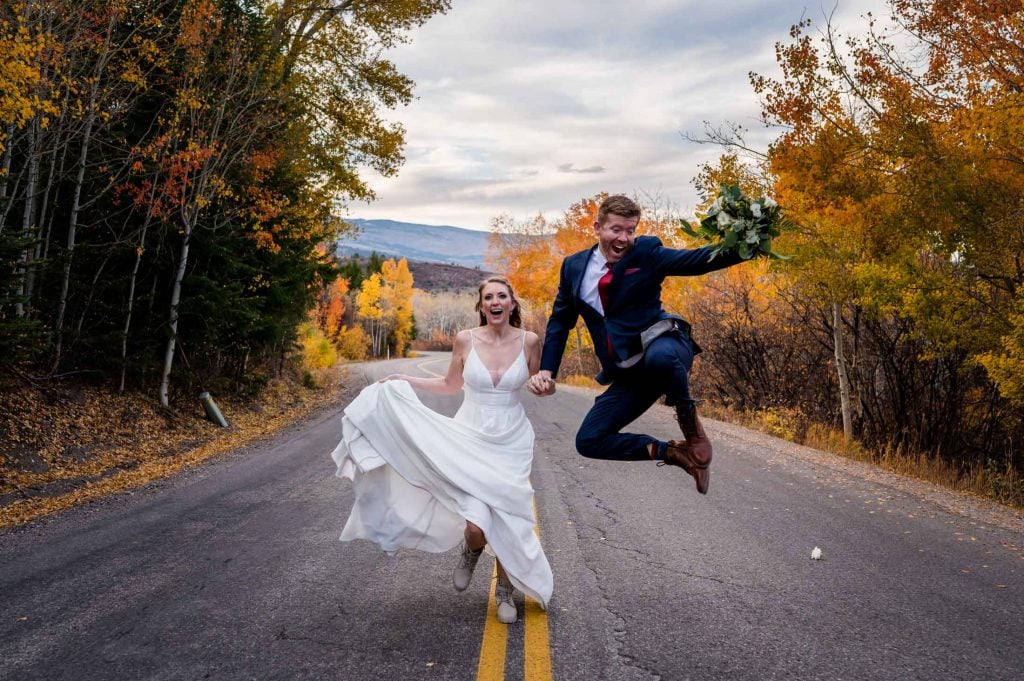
{"points": [[415, 242]]}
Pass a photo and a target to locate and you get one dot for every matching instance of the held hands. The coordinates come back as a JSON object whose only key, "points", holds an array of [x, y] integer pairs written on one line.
{"points": [[541, 383]]}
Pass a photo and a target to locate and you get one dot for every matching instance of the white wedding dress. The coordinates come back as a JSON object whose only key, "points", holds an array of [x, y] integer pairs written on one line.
{"points": [[418, 475]]}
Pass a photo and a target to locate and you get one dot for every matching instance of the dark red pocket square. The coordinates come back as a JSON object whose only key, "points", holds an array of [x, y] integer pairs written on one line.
{"points": [[631, 270]]}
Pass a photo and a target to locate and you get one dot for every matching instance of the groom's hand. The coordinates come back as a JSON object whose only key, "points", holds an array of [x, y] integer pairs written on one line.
{"points": [[541, 383]]}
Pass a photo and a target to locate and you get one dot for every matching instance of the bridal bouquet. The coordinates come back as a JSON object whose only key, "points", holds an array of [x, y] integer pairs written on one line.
{"points": [[737, 222]]}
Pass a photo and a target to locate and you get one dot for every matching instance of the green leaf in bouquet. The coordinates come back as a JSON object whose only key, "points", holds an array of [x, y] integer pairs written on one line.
{"points": [[744, 250], [730, 240], [687, 228], [708, 228]]}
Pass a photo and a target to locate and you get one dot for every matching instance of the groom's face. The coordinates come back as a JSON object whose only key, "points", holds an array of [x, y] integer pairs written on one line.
{"points": [[615, 236]]}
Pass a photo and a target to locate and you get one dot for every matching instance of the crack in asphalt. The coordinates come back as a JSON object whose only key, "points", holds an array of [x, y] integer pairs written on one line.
{"points": [[619, 629]]}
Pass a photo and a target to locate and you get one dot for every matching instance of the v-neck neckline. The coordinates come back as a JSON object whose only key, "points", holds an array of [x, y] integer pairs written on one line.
{"points": [[490, 374]]}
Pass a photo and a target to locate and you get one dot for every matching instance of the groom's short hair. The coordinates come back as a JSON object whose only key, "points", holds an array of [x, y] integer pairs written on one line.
{"points": [[620, 205]]}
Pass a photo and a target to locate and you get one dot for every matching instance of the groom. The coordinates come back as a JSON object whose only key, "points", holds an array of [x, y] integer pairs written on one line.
{"points": [[645, 352]]}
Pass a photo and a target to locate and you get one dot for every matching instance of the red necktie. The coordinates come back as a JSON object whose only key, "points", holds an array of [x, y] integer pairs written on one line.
{"points": [[602, 290], [602, 287]]}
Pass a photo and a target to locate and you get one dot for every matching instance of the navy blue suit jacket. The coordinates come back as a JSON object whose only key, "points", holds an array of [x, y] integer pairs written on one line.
{"points": [[634, 299]]}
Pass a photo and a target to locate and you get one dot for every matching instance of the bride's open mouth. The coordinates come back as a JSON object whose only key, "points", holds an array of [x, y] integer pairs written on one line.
{"points": [[496, 313]]}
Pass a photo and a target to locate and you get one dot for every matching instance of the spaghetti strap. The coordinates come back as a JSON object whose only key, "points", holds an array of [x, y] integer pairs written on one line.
{"points": [[524, 341]]}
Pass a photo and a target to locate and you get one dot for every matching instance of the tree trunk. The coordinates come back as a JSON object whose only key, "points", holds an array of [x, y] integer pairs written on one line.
{"points": [[179, 276], [130, 307], [76, 204], [97, 78], [5, 171], [88, 300], [844, 379], [28, 215]]}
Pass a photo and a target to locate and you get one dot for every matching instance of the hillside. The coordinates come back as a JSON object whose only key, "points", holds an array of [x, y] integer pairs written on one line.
{"points": [[422, 243], [439, 278]]}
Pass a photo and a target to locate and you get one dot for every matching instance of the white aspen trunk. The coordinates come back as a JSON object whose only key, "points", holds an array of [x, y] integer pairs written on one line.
{"points": [[45, 253], [76, 203], [76, 197], [130, 307], [46, 212], [29, 213], [5, 172], [172, 321], [844, 379], [92, 294], [45, 222]]}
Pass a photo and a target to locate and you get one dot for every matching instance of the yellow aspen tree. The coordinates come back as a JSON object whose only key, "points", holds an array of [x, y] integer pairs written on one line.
{"points": [[396, 295], [369, 307]]}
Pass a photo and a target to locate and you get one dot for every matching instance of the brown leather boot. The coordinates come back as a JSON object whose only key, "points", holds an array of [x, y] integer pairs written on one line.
{"points": [[680, 454], [686, 415]]}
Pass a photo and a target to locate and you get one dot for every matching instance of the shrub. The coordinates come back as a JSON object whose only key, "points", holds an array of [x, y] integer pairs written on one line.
{"points": [[317, 350], [353, 343]]}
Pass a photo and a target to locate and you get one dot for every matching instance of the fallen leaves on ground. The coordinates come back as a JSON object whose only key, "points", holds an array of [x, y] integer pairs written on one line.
{"points": [[69, 446]]}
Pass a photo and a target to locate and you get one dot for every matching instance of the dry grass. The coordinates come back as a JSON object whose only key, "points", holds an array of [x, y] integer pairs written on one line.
{"points": [[989, 481], [577, 381], [68, 447]]}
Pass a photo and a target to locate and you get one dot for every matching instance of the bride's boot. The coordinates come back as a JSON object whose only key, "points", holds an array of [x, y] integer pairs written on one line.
{"points": [[464, 570], [503, 591]]}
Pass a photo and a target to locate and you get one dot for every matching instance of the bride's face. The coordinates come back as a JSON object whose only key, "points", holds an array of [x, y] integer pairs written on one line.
{"points": [[496, 303]]}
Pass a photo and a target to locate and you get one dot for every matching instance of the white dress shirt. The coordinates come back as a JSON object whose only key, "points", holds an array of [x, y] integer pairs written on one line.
{"points": [[597, 266]]}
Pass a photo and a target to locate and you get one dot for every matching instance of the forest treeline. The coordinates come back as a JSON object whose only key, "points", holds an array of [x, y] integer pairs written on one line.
{"points": [[900, 318], [169, 175]]}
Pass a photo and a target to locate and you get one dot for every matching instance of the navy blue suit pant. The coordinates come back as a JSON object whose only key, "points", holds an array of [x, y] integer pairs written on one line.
{"points": [[664, 370]]}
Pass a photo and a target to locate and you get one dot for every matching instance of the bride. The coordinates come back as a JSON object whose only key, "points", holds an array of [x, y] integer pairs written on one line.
{"points": [[425, 481]]}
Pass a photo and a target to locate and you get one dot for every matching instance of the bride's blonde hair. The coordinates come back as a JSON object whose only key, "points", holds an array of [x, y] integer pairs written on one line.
{"points": [[515, 318]]}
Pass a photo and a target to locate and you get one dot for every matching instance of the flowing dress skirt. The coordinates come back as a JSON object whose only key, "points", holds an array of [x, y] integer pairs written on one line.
{"points": [[418, 476]]}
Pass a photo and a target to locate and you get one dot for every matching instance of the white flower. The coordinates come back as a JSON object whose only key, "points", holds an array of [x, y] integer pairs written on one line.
{"points": [[816, 554], [724, 219], [755, 209], [769, 203]]}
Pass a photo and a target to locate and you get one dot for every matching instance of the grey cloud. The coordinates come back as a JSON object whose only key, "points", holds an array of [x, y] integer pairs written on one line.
{"points": [[568, 168]]}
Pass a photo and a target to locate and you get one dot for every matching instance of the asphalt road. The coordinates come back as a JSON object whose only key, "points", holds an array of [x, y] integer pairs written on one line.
{"points": [[233, 571]]}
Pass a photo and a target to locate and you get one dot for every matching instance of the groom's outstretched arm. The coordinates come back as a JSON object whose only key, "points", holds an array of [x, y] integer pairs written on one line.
{"points": [[564, 314], [692, 262]]}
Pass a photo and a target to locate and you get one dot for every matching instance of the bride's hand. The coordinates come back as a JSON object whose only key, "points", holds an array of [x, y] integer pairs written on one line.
{"points": [[541, 384]]}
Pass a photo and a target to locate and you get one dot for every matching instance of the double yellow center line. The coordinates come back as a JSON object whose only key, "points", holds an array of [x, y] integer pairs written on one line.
{"points": [[536, 639]]}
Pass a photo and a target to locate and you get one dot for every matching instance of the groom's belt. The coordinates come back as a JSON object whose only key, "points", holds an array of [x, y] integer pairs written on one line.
{"points": [[659, 328]]}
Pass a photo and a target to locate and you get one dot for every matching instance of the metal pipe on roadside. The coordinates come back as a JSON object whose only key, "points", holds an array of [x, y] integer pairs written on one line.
{"points": [[212, 410]]}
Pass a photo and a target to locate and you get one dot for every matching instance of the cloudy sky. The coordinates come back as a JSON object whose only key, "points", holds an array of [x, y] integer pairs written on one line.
{"points": [[526, 107]]}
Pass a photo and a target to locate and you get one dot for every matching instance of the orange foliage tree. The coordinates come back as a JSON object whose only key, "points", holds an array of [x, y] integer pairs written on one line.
{"points": [[907, 178], [331, 307]]}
